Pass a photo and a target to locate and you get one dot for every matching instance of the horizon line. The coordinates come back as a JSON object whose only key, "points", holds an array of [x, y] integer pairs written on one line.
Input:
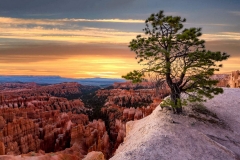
{"points": [[56, 76]]}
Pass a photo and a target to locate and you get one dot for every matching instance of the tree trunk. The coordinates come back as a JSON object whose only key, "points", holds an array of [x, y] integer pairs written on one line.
{"points": [[175, 97]]}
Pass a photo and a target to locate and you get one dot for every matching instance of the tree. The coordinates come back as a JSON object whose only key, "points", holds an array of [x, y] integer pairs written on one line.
{"points": [[179, 57]]}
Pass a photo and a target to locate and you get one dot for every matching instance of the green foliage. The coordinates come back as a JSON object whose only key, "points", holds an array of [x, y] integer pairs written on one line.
{"points": [[169, 102], [177, 56], [135, 76]]}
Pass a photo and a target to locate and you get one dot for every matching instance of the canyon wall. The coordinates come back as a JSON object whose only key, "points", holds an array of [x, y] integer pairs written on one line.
{"points": [[231, 80], [38, 120]]}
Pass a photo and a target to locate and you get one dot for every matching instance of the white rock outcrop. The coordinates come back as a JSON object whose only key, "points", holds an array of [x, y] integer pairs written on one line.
{"points": [[165, 136]]}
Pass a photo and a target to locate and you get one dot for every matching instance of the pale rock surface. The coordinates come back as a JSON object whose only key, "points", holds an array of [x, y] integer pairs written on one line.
{"points": [[94, 156], [227, 107], [163, 135]]}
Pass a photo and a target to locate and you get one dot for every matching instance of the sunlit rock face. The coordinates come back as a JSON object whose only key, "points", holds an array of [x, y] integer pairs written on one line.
{"points": [[48, 121], [49, 133], [235, 79], [132, 98], [94, 156], [223, 79], [31, 119], [228, 80], [128, 102], [20, 136], [91, 137], [37, 120]]}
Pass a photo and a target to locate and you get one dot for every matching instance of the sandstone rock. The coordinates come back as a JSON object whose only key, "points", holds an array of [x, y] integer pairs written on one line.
{"points": [[94, 156], [2, 122], [92, 137], [38, 120], [235, 79], [2, 148]]}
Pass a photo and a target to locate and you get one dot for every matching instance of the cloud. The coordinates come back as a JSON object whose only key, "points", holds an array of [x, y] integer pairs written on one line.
{"points": [[64, 30], [24, 4], [232, 47], [73, 31], [101, 74], [210, 24], [28, 53], [88, 60], [237, 13], [104, 20], [69, 30], [22, 21], [84, 35], [68, 64], [222, 36]]}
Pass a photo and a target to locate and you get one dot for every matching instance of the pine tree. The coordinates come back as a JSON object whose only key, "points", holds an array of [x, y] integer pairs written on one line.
{"points": [[179, 57]]}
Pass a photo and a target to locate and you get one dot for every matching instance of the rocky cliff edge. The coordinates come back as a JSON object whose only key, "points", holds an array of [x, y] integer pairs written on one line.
{"points": [[211, 133]]}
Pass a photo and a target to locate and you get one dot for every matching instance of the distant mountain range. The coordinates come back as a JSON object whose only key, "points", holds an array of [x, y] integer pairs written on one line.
{"points": [[102, 82]]}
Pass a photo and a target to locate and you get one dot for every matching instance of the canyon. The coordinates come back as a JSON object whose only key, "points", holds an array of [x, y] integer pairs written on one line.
{"points": [[73, 121], [47, 121]]}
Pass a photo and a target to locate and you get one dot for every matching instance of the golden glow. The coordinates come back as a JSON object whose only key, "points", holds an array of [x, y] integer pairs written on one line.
{"points": [[61, 30], [222, 36], [105, 20], [16, 28], [9, 20], [86, 35], [19, 21], [103, 57], [86, 67], [74, 67]]}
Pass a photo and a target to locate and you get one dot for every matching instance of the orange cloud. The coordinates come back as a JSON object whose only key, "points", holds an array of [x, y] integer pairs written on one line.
{"points": [[21, 21], [79, 65], [85, 35], [104, 20], [221, 36], [66, 69], [83, 52], [62, 31], [9, 20]]}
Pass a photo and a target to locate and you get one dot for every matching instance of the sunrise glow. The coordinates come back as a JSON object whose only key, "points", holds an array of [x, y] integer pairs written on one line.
{"points": [[78, 46]]}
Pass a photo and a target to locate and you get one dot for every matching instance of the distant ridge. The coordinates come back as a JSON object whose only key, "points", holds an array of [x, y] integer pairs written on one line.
{"points": [[102, 82]]}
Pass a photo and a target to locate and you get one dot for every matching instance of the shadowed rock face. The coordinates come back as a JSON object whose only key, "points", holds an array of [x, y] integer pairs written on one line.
{"points": [[70, 90]]}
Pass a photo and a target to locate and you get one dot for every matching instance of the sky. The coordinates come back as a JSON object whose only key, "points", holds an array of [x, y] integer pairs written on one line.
{"points": [[89, 38]]}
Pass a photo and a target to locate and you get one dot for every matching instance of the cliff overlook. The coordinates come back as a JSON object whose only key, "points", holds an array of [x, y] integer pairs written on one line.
{"points": [[123, 121], [200, 133]]}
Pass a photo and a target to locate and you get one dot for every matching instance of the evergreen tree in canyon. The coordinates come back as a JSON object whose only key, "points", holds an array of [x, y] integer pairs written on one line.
{"points": [[178, 57]]}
